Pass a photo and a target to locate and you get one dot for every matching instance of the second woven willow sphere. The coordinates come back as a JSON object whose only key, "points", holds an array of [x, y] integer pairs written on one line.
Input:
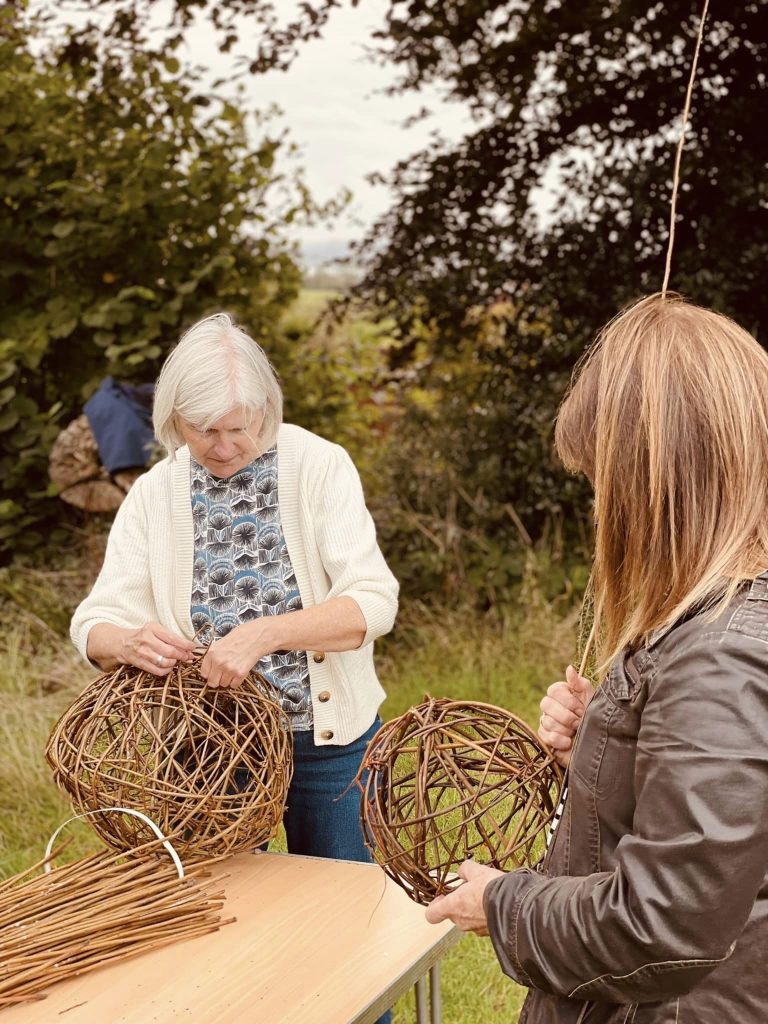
{"points": [[209, 766], [450, 780]]}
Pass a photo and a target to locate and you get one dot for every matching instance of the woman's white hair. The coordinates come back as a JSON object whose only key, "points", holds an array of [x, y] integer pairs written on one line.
{"points": [[214, 369]]}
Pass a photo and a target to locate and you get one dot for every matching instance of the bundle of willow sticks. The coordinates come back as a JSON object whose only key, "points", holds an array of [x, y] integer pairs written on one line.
{"points": [[95, 911]]}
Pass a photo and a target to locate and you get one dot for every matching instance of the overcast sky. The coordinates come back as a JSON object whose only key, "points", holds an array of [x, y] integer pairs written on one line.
{"points": [[333, 104], [334, 107]]}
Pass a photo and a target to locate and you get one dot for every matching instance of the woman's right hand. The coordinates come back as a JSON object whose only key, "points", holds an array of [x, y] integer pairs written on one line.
{"points": [[151, 647], [155, 649], [561, 713]]}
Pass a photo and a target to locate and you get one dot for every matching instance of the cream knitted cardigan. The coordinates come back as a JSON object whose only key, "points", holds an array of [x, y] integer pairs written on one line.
{"points": [[331, 540]]}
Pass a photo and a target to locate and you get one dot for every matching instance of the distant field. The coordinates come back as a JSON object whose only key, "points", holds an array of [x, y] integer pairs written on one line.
{"points": [[311, 302]]}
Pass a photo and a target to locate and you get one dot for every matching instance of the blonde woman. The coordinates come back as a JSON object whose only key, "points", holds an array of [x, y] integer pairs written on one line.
{"points": [[256, 533], [653, 903]]}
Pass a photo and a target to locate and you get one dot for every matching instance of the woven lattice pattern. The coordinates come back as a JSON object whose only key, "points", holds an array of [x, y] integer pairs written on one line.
{"points": [[450, 780], [211, 767]]}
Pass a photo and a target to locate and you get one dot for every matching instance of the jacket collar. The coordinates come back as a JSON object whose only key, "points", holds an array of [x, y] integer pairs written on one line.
{"points": [[758, 591]]}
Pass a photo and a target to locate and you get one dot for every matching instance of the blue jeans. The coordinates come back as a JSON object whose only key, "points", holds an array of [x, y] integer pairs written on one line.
{"points": [[319, 821]]}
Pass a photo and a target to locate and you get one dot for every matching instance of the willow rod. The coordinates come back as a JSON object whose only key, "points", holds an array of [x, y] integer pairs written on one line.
{"points": [[679, 153]]}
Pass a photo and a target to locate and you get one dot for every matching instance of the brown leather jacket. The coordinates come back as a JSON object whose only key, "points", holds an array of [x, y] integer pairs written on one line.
{"points": [[652, 906]]}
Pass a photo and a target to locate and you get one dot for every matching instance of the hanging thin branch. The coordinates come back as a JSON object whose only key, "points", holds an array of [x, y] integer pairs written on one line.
{"points": [[679, 153]]}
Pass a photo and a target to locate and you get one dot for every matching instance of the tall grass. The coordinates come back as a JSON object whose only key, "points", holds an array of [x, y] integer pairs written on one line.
{"points": [[39, 676], [505, 658]]}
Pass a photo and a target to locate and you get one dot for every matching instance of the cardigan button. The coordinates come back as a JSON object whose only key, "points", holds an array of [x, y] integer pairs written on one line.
{"points": [[326, 734], [318, 657], [324, 696]]}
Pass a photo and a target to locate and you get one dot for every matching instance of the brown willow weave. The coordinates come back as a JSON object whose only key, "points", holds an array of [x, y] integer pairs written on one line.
{"points": [[95, 911], [449, 780], [210, 766]]}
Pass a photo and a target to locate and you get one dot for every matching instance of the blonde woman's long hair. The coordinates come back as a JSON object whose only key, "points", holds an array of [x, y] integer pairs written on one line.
{"points": [[667, 414]]}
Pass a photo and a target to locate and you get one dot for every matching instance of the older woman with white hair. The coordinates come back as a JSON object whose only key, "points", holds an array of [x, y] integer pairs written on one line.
{"points": [[256, 531]]}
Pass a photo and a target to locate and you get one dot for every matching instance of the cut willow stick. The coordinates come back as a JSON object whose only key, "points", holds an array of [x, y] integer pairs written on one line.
{"points": [[99, 910]]}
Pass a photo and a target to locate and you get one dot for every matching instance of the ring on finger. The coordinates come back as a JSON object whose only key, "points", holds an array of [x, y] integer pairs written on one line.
{"points": [[160, 659]]}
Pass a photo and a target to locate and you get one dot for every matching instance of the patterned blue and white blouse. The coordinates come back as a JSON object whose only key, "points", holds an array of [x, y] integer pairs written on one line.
{"points": [[242, 569]]}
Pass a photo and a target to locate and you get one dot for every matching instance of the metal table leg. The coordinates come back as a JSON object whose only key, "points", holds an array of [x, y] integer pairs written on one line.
{"points": [[434, 992], [421, 1001]]}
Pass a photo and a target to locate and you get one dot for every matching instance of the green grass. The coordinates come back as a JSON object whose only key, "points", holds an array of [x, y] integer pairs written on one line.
{"points": [[506, 660], [39, 676]]}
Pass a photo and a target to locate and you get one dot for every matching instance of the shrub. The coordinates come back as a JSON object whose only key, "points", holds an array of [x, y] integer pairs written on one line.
{"points": [[132, 205]]}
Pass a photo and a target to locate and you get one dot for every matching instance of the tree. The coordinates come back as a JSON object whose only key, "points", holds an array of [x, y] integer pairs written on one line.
{"points": [[132, 204], [586, 97], [589, 95], [272, 43]]}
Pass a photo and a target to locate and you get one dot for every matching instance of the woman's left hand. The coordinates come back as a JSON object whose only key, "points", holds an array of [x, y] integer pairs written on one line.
{"points": [[229, 660], [464, 906], [562, 710]]}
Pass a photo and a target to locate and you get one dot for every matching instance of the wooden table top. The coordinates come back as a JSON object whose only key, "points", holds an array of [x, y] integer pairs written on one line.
{"points": [[315, 942]]}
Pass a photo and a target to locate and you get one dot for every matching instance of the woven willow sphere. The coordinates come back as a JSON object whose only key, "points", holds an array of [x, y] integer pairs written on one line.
{"points": [[449, 780], [209, 766]]}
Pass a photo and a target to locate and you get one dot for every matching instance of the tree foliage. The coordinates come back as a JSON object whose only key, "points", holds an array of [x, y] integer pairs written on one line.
{"points": [[552, 208], [132, 204], [586, 97], [557, 198], [582, 101], [267, 40]]}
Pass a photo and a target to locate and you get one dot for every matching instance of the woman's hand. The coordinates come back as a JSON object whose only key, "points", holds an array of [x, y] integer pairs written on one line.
{"points": [[464, 906], [151, 647], [228, 661], [561, 713], [336, 624]]}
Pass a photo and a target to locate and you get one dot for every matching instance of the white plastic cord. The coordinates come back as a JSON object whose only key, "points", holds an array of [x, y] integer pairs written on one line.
{"points": [[121, 810]]}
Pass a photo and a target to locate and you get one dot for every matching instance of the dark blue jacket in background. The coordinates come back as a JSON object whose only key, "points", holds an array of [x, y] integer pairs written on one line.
{"points": [[120, 416]]}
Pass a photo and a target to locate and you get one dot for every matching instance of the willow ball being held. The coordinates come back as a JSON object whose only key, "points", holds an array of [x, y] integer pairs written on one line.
{"points": [[209, 766], [452, 780]]}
